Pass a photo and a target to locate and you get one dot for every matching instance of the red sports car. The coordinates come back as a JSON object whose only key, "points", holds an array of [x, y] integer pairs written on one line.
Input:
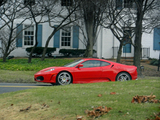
{"points": [[87, 70]]}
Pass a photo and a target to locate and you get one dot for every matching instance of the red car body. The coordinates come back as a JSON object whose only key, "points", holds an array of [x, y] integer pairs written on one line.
{"points": [[81, 72]]}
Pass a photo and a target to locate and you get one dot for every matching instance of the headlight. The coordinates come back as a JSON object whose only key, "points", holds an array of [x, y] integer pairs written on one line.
{"points": [[50, 70]]}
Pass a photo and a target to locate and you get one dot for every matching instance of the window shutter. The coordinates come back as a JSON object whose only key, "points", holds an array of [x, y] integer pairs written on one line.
{"points": [[56, 39], [39, 36], [156, 39], [75, 37], [127, 48], [19, 35]]}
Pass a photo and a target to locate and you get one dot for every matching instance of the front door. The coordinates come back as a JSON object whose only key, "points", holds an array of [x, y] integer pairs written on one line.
{"points": [[90, 72]]}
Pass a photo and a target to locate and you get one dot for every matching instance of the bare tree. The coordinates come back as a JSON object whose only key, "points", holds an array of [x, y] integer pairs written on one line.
{"points": [[143, 7], [2, 2], [59, 17], [37, 11], [92, 12], [9, 14], [120, 22], [138, 17], [4, 41]]}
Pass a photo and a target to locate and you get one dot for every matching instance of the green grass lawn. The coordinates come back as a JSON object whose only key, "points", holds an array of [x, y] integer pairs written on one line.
{"points": [[65, 102]]}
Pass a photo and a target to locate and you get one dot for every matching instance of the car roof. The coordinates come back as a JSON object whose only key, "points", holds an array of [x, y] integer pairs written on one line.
{"points": [[90, 58], [93, 59], [98, 59]]}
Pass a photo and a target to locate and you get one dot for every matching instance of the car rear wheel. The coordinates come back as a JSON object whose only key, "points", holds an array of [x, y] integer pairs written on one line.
{"points": [[64, 78], [123, 77]]}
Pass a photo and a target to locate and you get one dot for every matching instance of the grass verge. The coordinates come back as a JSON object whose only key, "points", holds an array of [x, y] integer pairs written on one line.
{"points": [[18, 64], [65, 102], [17, 70], [9, 76]]}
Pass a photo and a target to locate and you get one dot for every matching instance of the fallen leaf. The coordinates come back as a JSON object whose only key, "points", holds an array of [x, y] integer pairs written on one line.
{"points": [[156, 117], [112, 93], [97, 112], [120, 111], [59, 102], [143, 99], [99, 95], [78, 117], [44, 105]]}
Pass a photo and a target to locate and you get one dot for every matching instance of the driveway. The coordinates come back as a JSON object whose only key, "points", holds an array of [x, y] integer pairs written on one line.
{"points": [[11, 87]]}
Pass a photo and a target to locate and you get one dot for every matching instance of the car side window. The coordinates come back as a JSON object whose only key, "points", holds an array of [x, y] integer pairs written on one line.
{"points": [[91, 63], [104, 63]]}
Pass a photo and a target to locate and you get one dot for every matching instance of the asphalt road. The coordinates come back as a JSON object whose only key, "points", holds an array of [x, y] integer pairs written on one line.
{"points": [[11, 87]]}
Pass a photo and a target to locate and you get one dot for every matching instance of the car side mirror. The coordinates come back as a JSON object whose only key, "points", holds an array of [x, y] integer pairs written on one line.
{"points": [[80, 65]]}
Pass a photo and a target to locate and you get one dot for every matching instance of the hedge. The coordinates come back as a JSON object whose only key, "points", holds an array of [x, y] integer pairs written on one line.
{"points": [[154, 62], [39, 50], [73, 52]]}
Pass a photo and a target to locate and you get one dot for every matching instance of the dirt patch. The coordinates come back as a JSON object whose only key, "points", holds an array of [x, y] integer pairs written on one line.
{"points": [[150, 70]]}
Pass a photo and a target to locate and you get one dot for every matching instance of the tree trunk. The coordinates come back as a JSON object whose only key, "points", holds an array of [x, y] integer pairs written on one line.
{"points": [[89, 50], [119, 52], [4, 58], [90, 36], [34, 47], [46, 45], [9, 43], [138, 39]]}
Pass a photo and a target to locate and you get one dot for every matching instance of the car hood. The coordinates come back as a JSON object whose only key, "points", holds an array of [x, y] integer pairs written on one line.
{"points": [[55, 68]]}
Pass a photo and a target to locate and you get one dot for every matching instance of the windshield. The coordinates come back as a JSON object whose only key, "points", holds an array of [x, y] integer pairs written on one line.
{"points": [[72, 64]]}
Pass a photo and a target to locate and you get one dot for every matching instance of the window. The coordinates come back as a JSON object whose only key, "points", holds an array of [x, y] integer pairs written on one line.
{"points": [[91, 63], [66, 37], [74, 63], [104, 63], [128, 3], [28, 35], [127, 40], [66, 2], [29, 2], [125, 4]]}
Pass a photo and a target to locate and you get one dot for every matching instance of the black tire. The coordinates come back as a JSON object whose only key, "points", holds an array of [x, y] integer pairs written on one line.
{"points": [[123, 76], [63, 78]]}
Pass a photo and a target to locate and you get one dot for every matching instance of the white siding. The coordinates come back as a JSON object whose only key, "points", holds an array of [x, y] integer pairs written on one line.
{"points": [[147, 41]]}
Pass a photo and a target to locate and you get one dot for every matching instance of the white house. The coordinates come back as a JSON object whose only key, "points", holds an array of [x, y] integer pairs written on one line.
{"points": [[106, 45]]}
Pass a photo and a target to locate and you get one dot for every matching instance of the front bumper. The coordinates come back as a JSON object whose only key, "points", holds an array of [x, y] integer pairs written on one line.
{"points": [[45, 77]]}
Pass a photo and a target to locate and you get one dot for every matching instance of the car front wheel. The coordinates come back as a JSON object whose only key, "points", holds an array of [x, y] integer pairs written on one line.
{"points": [[123, 77], [64, 78]]}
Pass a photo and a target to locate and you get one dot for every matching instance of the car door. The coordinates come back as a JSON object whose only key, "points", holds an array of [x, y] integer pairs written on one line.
{"points": [[108, 71], [90, 71]]}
